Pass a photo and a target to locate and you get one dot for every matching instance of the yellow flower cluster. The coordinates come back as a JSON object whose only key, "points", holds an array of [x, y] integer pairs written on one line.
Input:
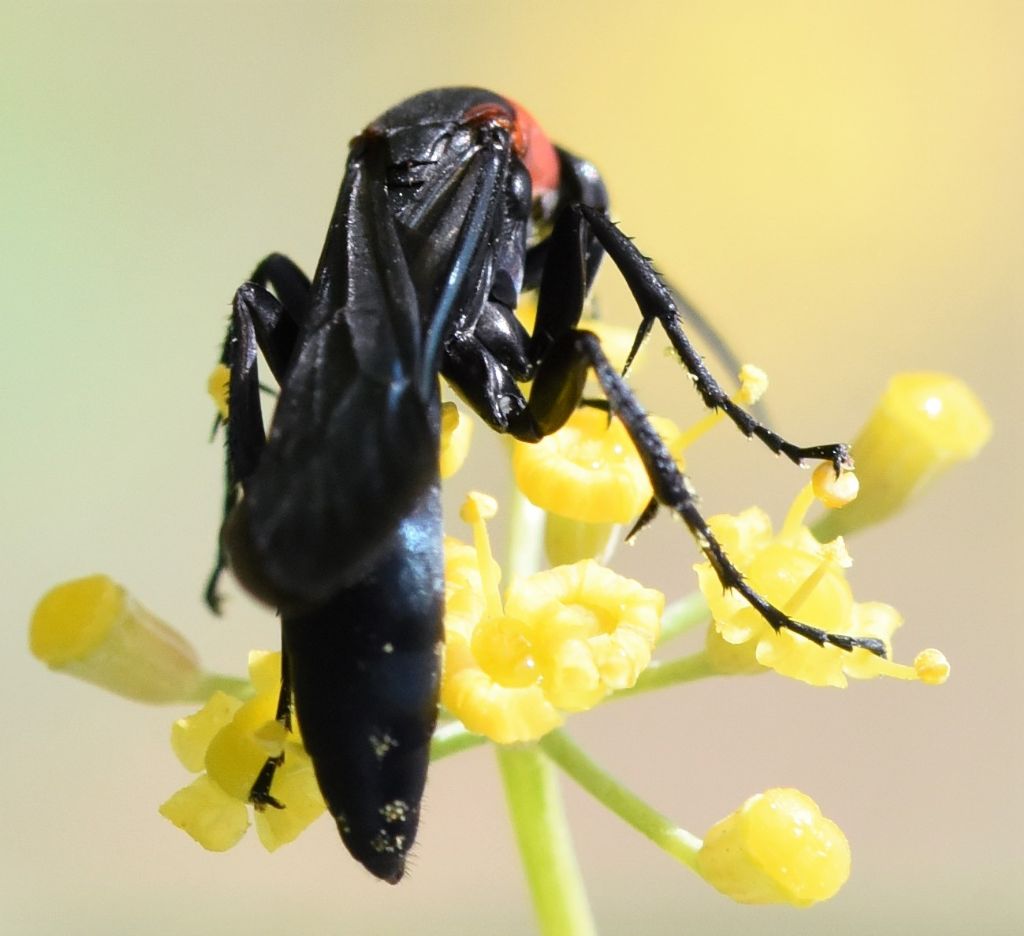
{"points": [[806, 579], [562, 641], [227, 742]]}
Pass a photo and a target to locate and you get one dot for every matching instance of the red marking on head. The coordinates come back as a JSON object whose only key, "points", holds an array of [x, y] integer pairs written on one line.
{"points": [[530, 142], [538, 154]]}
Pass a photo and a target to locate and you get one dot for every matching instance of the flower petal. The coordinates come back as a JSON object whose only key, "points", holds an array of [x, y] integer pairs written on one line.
{"points": [[216, 820]]}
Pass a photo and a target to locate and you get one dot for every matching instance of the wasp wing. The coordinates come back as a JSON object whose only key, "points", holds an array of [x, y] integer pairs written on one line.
{"points": [[354, 439]]}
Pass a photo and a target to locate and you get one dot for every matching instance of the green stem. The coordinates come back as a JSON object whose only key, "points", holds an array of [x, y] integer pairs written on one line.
{"points": [[545, 844], [679, 843], [531, 781], [451, 738], [525, 537], [660, 674], [236, 686], [682, 616]]}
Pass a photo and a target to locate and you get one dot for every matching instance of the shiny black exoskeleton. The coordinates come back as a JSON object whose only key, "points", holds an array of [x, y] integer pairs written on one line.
{"points": [[452, 204]]}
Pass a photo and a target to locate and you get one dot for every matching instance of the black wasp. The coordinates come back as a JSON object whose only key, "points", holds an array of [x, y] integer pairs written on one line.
{"points": [[453, 203]]}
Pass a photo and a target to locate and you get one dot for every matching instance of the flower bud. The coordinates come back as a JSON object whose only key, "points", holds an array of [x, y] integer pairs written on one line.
{"points": [[93, 629], [923, 424], [777, 848]]}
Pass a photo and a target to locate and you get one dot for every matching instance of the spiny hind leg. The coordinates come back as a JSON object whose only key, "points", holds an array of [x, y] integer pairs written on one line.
{"points": [[260, 322], [579, 351]]}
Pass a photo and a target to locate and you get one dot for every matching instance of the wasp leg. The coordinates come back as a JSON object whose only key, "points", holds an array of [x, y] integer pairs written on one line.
{"points": [[579, 351], [647, 516], [259, 321], [288, 282], [657, 304], [259, 794], [580, 185]]}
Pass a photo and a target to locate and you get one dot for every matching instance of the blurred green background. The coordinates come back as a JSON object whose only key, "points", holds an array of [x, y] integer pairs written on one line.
{"points": [[838, 185]]}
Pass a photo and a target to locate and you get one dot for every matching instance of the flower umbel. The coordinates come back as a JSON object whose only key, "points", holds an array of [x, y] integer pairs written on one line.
{"points": [[559, 641], [562, 641]]}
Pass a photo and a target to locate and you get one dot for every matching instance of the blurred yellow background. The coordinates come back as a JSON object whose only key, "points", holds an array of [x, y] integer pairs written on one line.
{"points": [[837, 185]]}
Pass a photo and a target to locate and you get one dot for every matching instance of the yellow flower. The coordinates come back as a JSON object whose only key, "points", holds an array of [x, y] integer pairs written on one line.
{"points": [[217, 387], [564, 639], [806, 579], [777, 848], [588, 475], [213, 818], [456, 433], [232, 740], [923, 424], [92, 628], [589, 470], [832, 490], [191, 736], [591, 631], [590, 478]]}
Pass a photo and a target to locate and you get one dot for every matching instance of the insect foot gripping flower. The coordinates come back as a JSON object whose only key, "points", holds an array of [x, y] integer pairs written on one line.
{"points": [[804, 577], [232, 740], [923, 424], [93, 629], [563, 640], [777, 848]]}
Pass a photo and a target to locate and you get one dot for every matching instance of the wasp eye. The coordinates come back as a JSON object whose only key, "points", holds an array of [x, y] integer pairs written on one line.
{"points": [[519, 193]]}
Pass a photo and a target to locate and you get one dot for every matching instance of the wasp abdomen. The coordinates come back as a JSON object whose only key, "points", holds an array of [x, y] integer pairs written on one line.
{"points": [[365, 671]]}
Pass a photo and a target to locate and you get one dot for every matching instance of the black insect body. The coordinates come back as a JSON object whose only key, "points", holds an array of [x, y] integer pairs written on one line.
{"points": [[452, 204]]}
